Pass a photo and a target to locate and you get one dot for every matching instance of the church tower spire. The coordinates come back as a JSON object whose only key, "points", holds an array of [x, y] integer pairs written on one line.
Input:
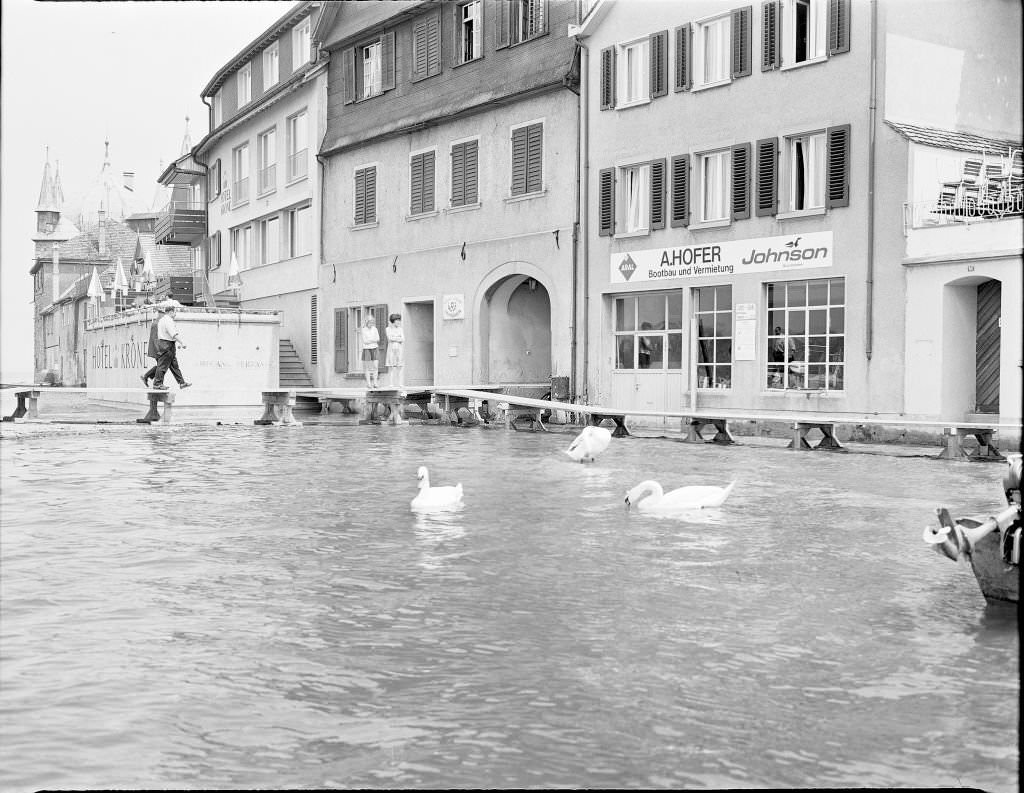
{"points": [[48, 208], [186, 142]]}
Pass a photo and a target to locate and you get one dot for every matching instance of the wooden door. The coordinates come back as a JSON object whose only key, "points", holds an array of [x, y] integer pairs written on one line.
{"points": [[990, 296]]}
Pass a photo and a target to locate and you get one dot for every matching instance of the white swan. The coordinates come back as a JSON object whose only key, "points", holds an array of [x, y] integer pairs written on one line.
{"points": [[435, 497], [589, 443], [649, 497]]}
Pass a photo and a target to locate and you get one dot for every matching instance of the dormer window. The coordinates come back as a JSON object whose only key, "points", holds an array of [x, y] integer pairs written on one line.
{"points": [[245, 84], [271, 72], [300, 44]]}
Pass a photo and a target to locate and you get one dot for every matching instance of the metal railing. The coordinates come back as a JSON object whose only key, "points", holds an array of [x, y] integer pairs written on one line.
{"points": [[298, 164], [267, 178], [929, 214], [240, 191]]}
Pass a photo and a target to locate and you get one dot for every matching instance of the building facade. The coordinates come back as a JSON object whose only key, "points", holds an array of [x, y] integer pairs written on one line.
{"points": [[744, 204], [450, 188], [246, 198]]}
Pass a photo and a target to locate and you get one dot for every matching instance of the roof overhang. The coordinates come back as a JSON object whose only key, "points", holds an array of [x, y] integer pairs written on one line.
{"points": [[591, 20]]}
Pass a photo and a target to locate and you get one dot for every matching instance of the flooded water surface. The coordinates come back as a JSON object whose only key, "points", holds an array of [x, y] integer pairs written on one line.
{"points": [[245, 607]]}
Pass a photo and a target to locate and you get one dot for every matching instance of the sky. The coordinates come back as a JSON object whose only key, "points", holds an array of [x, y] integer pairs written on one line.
{"points": [[75, 74]]}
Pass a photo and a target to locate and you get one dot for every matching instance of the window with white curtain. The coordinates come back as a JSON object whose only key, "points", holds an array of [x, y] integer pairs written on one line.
{"points": [[714, 185], [634, 72], [245, 84], [635, 197], [271, 72], [804, 31], [806, 187], [300, 44], [373, 82], [269, 237], [712, 51]]}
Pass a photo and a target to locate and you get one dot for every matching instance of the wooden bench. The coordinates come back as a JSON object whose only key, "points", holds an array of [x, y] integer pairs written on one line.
{"points": [[155, 398], [828, 441], [954, 435], [391, 398], [28, 404], [695, 426], [277, 403]]}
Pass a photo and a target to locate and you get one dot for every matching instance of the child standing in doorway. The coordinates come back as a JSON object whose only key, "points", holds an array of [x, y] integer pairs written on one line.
{"points": [[396, 350], [370, 339]]}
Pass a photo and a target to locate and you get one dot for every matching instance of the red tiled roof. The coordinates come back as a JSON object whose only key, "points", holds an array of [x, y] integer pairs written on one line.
{"points": [[957, 141]]}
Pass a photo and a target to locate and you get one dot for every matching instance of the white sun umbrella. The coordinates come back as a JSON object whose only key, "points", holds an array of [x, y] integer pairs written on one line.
{"points": [[96, 289], [120, 281], [234, 274], [148, 274]]}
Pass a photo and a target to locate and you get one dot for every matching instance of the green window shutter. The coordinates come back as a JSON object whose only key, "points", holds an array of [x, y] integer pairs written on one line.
{"points": [[348, 74], [471, 172], [341, 339], [741, 41], [771, 51], [458, 175], [519, 161], [838, 26], [838, 177], [504, 24], [387, 60], [683, 79], [659, 63], [606, 202], [534, 158], [766, 200], [741, 182], [658, 194], [608, 78], [680, 190]]}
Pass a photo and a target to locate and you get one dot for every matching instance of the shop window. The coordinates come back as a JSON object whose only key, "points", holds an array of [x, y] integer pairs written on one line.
{"points": [[713, 308], [806, 334], [649, 331]]}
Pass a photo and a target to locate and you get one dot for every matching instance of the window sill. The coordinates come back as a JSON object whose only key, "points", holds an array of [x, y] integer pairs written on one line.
{"points": [[267, 193], [361, 226], [296, 180], [710, 224], [802, 213], [627, 234], [422, 215], [809, 62], [635, 103], [514, 199], [462, 208], [464, 63], [240, 204], [708, 86]]}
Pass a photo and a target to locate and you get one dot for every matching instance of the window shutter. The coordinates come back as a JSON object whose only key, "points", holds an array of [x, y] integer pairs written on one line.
{"points": [[658, 194], [314, 328], [838, 185], [659, 64], [606, 202], [341, 339], [434, 45], [371, 195], [348, 74], [519, 161], [380, 315], [535, 158], [471, 172], [741, 182], [608, 78], [416, 185], [741, 41], [838, 26], [420, 57], [217, 250], [387, 60], [767, 177], [770, 50], [681, 190], [428, 181], [458, 175], [683, 58], [359, 215], [205, 248], [501, 29]]}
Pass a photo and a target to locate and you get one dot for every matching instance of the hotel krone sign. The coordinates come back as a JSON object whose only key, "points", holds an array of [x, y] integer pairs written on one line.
{"points": [[734, 257]]}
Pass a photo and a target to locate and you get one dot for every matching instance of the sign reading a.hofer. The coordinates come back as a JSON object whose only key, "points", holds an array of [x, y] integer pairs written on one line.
{"points": [[735, 257]]}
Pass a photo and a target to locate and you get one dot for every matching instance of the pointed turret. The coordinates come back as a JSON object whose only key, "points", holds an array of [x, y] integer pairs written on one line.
{"points": [[186, 142], [48, 208]]}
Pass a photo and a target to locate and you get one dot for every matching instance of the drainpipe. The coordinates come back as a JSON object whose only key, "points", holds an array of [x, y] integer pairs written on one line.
{"points": [[870, 278], [583, 147]]}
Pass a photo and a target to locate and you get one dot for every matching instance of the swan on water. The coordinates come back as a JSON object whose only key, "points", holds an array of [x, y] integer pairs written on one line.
{"points": [[435, 497], [649, 497], [589, 443]]}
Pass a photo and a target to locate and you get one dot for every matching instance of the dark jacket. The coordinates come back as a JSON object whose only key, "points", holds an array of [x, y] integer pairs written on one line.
{"points": [[152, 351]]}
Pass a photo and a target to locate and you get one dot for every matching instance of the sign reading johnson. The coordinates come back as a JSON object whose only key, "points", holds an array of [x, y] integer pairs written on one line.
{"points": [[734, 257]]}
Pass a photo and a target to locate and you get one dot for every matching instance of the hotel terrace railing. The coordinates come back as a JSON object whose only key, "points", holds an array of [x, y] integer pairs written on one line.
{"points": [[943, 212], [181, 222]]}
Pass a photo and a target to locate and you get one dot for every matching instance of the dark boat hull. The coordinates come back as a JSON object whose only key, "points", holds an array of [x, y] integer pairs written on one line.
{"points": [[998, 579]]}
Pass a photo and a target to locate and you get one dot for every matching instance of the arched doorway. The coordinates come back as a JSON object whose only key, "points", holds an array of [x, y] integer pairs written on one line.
{"points": [[516, 331]]}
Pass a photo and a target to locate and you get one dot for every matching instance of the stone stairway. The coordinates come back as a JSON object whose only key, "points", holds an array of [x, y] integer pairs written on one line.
{"points": [[292, 372]]}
